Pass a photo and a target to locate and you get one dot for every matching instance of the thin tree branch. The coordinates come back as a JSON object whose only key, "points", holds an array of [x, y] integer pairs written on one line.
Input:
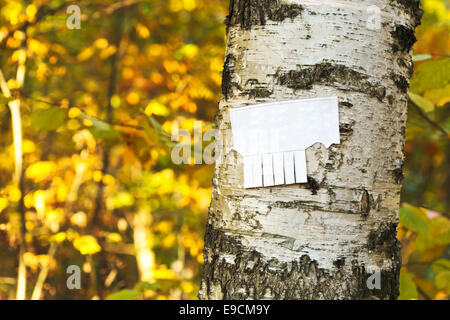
{"points": [[36, 295], [14, 107], [109, 116], [427, 119], [427, 297], [114, 123], [76, 182], [43, 12], [8, 280]]}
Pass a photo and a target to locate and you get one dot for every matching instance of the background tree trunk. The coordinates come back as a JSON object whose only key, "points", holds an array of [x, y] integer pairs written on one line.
{"points": [[324, 239]]}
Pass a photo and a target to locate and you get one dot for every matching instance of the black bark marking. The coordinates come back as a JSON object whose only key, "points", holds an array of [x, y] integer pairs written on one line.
{"points": [[313, 185], [251, 276], [346, 104], [339, 263], [384, 239], [398, 174], [335, 75], [404, 38], [335, 157], [390, 100], [401, 82], [306, 206], [296, 204], [412, 7], [258, 93], [368, 203], [257, 90], [226, 76], [345, 131], [248, 13], [218, 116], [365, 204]]}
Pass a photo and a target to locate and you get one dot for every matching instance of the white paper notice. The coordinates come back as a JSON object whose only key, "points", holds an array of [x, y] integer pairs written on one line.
{"points": [[273, 137]]}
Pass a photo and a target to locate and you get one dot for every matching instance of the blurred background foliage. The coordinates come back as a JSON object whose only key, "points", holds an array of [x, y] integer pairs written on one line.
{"points": [[98, 188], [424, 229]]}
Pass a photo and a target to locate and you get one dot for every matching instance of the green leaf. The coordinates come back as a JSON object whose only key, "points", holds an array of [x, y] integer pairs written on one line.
{"points": [[47, 119], [431, 75], [425, 241], [440, 229], [155, 124], [126, 294], [442, 280], [421, 57], [142, 286], [408, 289], [439, 96], [441, 265], [101, 129], [423, 103], [439, 234], [5, 100], [412, 220]]}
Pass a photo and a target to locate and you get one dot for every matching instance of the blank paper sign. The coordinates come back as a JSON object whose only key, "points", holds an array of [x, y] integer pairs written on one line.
{"points": [[273, 137]]}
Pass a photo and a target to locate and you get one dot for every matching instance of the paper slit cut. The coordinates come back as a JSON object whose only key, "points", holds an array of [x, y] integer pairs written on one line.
{"points": [[248, 172], [257, 171], [273, 137], [300, 166], [268, 179], [278, 168], [289, 173]]}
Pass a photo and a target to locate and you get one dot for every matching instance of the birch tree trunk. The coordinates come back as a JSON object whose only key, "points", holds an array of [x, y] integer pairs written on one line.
{"points": [[323, 239]]}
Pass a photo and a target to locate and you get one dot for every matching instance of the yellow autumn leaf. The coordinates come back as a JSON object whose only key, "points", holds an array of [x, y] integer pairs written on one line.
{"points": [[115, 101], [37, 48], [40, 171], [114, 237], [97, 175], [107, 52], [156, 108], [30, 12], [164, 273], [189, 5], [101, 43], [28, 146], [85, 54], [31, 260], [133, 98], [142, 31], [74, 112], [14, 193], [186, 286], [3, 203], [86, 245], [59, 237]]}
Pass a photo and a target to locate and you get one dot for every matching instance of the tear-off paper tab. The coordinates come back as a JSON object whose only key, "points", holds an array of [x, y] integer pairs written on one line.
{"points": [[273, 137]]}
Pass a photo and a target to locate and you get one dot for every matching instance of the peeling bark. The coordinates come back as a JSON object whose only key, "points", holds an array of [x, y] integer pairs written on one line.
{"points": [[248, 13], [325, 238]]}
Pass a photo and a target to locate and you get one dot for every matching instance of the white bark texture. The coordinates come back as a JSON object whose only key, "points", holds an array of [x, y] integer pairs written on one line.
{"points": [[323, 239]]}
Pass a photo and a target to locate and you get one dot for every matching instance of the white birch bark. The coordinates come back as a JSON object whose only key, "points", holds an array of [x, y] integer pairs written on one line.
{"points": [[320, 240]]}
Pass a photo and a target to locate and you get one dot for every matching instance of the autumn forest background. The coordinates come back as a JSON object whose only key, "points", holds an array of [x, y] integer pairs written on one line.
{"points": [[90, 181]]}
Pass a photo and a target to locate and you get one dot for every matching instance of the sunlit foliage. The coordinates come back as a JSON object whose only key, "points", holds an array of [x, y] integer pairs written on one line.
{"points": [[96, 103], [425, 233]]}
